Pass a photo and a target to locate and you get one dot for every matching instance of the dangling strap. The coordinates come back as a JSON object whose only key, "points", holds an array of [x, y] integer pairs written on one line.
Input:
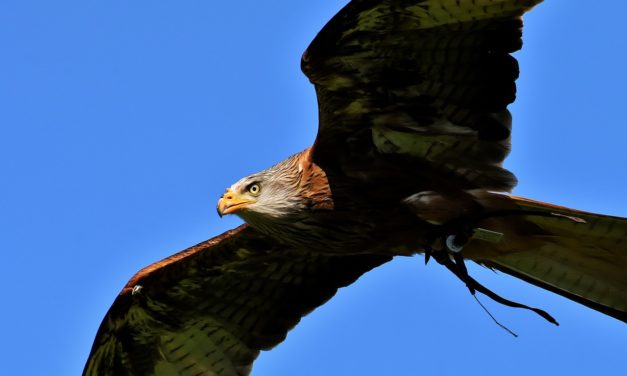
{"points": [[465, 231], [459, 269]]}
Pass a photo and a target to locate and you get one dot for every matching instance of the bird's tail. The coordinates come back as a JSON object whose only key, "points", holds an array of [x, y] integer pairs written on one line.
{"points": [[579, 255]]}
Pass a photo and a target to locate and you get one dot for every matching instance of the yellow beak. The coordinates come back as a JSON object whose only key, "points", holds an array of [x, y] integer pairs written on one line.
{"points": [[230, 202]]}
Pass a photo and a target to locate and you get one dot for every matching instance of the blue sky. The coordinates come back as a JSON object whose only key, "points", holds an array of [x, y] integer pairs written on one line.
{"points": [[122, 122]]}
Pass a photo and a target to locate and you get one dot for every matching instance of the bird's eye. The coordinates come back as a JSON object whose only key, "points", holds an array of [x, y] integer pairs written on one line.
{"points": [[254, 189]]}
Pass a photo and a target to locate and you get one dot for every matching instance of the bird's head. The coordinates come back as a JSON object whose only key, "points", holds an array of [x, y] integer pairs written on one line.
{"points": [[272, 193]]}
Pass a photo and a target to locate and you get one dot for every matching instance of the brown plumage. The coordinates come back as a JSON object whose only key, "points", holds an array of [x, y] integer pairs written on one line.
{"points": [[413, 129], [210, 309]]}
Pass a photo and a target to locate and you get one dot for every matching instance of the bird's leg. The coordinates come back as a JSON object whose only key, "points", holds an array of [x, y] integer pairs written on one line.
{"points": [[446, 248], [453, 216], [453, 246]]}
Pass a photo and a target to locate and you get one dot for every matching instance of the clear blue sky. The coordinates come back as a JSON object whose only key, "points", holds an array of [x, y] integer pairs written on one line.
{"points": [[123, 121]]}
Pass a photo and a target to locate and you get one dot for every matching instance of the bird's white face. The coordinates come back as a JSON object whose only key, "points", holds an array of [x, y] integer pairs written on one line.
{"points": [[243, 195], [271, 194]]}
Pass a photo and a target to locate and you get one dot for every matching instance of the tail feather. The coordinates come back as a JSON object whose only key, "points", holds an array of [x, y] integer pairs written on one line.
{"points": [[580, 255]]}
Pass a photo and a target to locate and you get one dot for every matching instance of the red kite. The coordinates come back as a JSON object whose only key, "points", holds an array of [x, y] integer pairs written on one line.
{"points": [[413, 128]]}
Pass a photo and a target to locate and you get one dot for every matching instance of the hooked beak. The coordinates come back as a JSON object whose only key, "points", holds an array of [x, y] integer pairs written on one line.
{"points": [[230, 202]]}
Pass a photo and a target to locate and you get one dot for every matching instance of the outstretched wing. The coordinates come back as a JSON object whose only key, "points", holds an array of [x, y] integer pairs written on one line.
{"points": [[429, 79], [211, 308]]}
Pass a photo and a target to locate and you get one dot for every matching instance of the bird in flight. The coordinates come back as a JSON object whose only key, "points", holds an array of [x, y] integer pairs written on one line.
{"points": [[413, 129]]}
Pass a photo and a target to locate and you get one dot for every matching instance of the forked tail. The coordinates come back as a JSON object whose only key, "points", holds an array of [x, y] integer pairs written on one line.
{"points": [[579, 255]]}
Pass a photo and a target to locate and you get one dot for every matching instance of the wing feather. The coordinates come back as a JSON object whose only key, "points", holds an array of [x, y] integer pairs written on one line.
{"points": [[210, 309], [427, 79]]}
